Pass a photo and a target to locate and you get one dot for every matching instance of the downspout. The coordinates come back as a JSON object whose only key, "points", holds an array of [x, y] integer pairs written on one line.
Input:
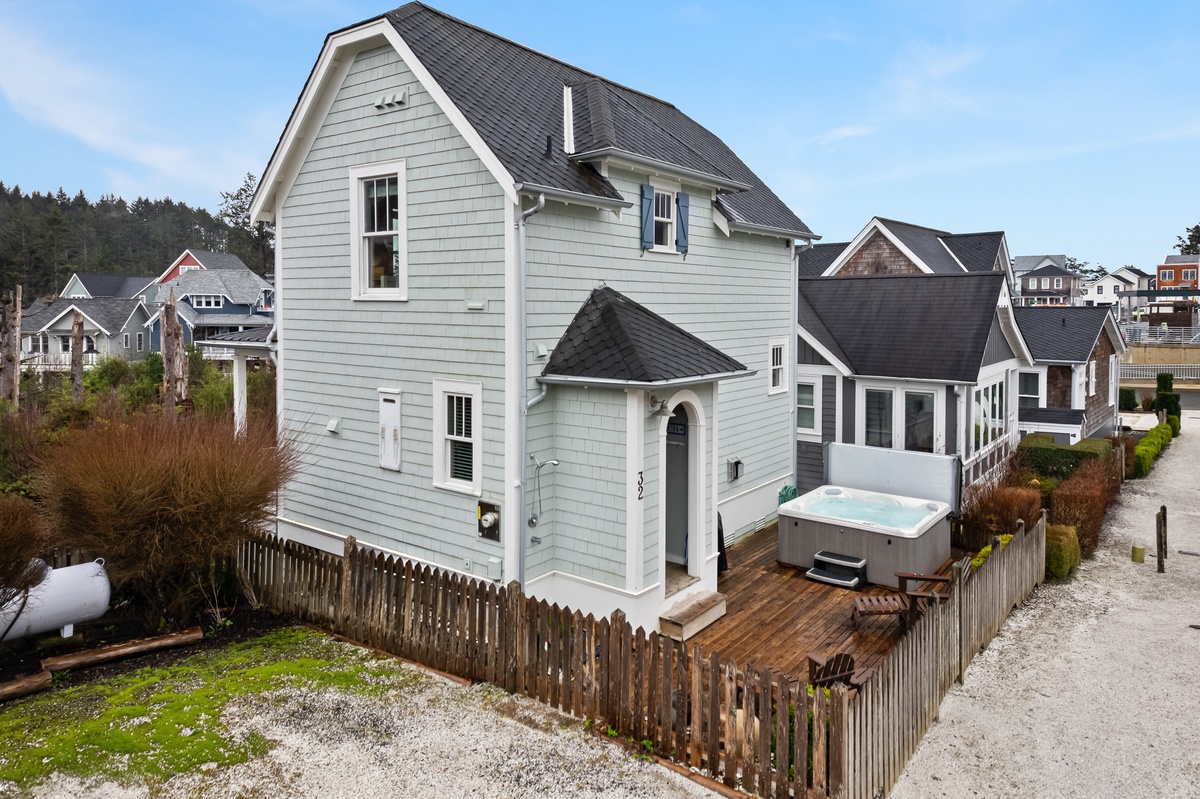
{"points": [[522, 381], [273, 335]]}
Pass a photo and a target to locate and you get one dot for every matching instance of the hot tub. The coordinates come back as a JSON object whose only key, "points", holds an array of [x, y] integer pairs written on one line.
{"points": [[893, 533]]}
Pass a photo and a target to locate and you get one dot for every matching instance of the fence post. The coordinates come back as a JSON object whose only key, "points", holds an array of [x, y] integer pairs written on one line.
{"points": [[347, 598], [956, 572], [1160, 539], [1163, 510]]}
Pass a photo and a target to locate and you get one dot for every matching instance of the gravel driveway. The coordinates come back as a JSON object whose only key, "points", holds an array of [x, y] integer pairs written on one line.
{"points": [[1092, 689]]}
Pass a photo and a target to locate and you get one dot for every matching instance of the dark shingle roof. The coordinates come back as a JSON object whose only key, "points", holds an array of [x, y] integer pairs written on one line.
{"points": [[883, 326], [1182, 259], [1025, 263], [108, 312], [1061, 334], [614, 338], [120, 286], [254, 334], [813, 261], [978, 252], [1066, 416], [1049, 270], [926, 244], [513, 97], [218, 260], [1136, 271]]}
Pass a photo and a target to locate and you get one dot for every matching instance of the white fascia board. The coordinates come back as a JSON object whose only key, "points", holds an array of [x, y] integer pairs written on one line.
{"points": [[641, 163], [67, 310], [1012, 331], [131, 313], [571, 197], [249, 346], [1114, 335], [719, 219], [601, 382], [335, 59], [813, 342], [946, 247], [861, 239], [933, 381], [174, 264], [765, 230]]}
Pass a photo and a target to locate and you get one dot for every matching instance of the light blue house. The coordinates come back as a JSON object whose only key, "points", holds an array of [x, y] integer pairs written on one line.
{"points": [[212, 302], [532, 325]]}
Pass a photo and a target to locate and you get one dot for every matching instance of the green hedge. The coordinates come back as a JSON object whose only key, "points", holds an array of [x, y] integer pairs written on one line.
{"points": [[1166, 401], [1060, 460], [1062, 551], [1128, 401], [1173, 423], [1149, 448], [1164, 382]]}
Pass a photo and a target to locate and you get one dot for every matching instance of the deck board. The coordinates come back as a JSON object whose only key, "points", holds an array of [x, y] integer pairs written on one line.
{"points": [[775, 617]]}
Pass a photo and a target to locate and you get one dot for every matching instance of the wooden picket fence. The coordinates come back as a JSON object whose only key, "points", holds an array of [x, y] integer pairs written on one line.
{"points": [[750, 727]]}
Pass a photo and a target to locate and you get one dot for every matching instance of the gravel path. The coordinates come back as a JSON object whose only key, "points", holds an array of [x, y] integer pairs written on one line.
{"points": [[1092, 688], [433, 738]]}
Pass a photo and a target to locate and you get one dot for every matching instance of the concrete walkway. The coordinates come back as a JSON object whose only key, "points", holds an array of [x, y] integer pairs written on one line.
{"points": [[1092, 689]]}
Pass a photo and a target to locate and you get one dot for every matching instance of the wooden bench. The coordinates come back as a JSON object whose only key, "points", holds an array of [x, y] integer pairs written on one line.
{"points": [[906, 604]]}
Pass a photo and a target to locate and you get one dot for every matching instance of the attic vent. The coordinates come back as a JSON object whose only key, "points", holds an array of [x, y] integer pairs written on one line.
{"points": [[393, 100]]}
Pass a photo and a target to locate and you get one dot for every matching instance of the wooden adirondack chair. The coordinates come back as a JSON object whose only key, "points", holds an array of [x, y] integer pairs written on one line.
{"points": [[839, 668], [906, 604]]}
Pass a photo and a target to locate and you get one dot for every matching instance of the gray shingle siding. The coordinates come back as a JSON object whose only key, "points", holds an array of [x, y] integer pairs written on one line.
{"points": [[828, 408], [810, 465], [997, 348], [847, 410]]}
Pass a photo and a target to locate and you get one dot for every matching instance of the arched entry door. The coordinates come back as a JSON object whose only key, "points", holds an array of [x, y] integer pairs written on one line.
{"points": [[677, 486]]}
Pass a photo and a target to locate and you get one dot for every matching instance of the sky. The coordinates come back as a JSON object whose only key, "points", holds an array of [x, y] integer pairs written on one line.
{"points": [[1071, 126]]}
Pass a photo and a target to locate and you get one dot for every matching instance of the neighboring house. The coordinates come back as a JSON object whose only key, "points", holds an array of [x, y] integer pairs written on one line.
{"points": [[210, 303], [111, 327], [1024, 264], [200, 260], [901, 347], [124, 287], [1140, 281], [1071, 391], [1103, 291], [534, 324], [1178, 272], [1050, 285]]}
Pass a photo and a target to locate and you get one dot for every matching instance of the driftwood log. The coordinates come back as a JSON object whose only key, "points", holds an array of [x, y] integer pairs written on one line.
{"points": [[24, 686], [10, 348], [104, 654]]}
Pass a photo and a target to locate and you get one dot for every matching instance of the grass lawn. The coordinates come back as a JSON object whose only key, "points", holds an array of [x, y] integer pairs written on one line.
{"points": [[149, 724]]}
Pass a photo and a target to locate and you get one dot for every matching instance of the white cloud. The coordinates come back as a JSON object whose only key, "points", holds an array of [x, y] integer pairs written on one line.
{"points": [[844, 132], [44, 84]]}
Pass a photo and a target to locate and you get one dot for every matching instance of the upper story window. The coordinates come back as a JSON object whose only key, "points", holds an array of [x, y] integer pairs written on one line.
{"points": [[1033, 282], [39, 343], [208, 301], [1058, 282], [777, 374], [665, 223], [807, 409], [1187, 274], [1045, 282], [141, 342], [1166, 274], [378, 232], [1099, 289], [187, 268]]}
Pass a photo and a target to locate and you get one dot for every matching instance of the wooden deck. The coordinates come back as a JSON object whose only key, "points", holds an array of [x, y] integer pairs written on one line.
{"points": [[776, 617]]}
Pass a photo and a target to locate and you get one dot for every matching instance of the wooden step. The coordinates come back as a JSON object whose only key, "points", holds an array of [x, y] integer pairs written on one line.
{"points": [[851, 581], [833, 558], [691, 616]]}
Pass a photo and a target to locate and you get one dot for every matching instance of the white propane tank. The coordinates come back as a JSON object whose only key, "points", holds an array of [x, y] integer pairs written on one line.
{"points": [[64, 598]]}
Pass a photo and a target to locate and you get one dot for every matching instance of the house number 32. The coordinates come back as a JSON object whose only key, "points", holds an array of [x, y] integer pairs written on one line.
{"points": [[641, 487]]}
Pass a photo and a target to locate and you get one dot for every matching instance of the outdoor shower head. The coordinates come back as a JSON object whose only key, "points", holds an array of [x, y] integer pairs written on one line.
{"points": [[552, 462]]}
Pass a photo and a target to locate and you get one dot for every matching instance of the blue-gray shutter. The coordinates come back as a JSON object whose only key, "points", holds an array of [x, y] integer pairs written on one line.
{"points": [[681, 224], [647, 216]]}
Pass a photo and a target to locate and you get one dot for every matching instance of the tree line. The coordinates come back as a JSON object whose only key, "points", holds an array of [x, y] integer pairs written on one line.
{"points": [[44, 238]]}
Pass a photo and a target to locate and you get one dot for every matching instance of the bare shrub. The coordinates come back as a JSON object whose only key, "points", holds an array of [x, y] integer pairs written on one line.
{"points": [[1082, 500], [23, 537], [1001, 506], [162, 502], [1130, 443]]}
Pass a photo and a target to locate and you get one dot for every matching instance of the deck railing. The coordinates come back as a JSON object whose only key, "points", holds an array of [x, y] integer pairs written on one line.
{"points": [[750, 727], [1143, 333], [1150, 371]]}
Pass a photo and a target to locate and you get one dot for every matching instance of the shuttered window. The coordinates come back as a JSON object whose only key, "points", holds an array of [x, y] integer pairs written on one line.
{"points": [[665, 223]]}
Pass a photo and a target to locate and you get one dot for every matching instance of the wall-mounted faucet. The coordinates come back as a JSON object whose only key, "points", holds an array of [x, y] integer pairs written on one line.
{"points": [[537, 476]]}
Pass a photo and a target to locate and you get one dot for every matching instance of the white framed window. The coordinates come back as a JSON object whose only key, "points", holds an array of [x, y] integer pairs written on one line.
{"points": [[39, 343], [989, 414], [1187, 274], [1166, 274], [64, 343], [1033, 282], [1091, 378], [1045, 282], [910, 417], [208, 301], [188, 268], [1099, 289], [389, 429], [125, 341], [141, 341], [778, 371], [1029, 390], [808, 406], [878, 416], [664, 219], [457, 436], [378, 232], [1058, 282]]}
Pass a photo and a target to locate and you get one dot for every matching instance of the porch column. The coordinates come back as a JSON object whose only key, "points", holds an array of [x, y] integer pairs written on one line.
{"points": [[239, 393]]}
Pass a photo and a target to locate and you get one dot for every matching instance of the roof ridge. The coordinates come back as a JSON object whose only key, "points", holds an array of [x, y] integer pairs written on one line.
{"points": [[506, 40], [980, 233], [910, 224]]}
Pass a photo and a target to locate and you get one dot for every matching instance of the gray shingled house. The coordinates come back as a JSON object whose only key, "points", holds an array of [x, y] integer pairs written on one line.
{"points": [[907, 344], [1071, 390], [535, 324], [112, 327]]}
